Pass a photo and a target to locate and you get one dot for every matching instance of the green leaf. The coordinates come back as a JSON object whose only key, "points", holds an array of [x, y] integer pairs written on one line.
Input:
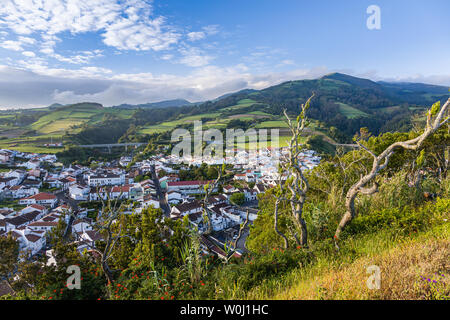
{"points": [[435, 108], [421, 159]]}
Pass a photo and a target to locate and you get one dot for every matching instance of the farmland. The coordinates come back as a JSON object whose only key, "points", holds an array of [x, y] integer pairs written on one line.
{"points": [[350, 112], [52, 126]]}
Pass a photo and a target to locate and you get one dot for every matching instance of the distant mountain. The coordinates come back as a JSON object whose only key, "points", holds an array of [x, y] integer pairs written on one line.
{"points": [[160, 104], [342, 101], [342, 105], [55, 106], [245, 91]]}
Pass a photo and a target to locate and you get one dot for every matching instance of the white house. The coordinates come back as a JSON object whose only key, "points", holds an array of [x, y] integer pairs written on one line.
{"points": [[240, 176], [107, 179], [17, 175], [5, 156], [6, 213], [41, 225], [188, 187], [149, 200], [250, 194], [81, 225], [78, 192], [22, 220], [54, 182], [31, 164], [34, 207], [122, 192], [29, 241], [18, 192], [186, 208], [174, 197], [229, 189]]}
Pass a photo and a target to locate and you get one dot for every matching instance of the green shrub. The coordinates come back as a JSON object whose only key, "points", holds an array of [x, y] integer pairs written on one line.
{"points": [[403, 219]]}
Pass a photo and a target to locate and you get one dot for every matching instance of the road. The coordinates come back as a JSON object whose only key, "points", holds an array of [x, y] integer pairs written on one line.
{"points": [[162, 199], [111, 145]]}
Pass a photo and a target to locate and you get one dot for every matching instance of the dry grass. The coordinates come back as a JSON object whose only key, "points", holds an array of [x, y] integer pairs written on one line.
{"points": [[413, 270]]}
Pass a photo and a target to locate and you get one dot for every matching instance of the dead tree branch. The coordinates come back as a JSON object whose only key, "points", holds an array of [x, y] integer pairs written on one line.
{"points": [[294, 188], [381, 161]]}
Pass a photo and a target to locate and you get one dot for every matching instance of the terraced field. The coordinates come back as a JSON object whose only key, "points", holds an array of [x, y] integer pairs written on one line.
{"points": [[244, 103], [350, 112], [65, 119], [272, 124], [52, 126]]}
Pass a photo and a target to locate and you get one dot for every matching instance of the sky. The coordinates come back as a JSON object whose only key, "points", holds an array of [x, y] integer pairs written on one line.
{"points": [[139, 51]]}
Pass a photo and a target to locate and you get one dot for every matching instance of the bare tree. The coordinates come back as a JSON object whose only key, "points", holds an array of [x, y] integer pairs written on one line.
{"points": [[230, 253], [293, 189], [104, 225], [382, 160]]}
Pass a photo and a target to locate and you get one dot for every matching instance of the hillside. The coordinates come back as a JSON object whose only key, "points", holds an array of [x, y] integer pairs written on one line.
{"points": [[412, 255], [160, 104], [29, 130]]}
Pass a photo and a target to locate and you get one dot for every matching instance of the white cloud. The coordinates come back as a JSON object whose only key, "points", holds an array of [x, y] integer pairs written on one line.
{"points": [[81, 58], [211, 29], [28, 54], [44, 85], [123, 24], [194, 57], [17, 45], [167, 57], [127, 34], [27, 40], [11, 45]]}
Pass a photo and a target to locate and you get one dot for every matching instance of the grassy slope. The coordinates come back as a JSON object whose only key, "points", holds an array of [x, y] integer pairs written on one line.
{"points": [[402, 261], [350, 112], [52, 126]]}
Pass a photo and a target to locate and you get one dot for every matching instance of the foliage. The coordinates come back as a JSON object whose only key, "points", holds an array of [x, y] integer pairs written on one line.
{"points": [[237, 198]]}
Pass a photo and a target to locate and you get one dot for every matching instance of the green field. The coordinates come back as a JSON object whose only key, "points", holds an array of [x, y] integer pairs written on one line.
{"points": [[244, 103], [171, 125], [63, 120], [52, 126], [272, 124], [32, 143], [283, 141]]}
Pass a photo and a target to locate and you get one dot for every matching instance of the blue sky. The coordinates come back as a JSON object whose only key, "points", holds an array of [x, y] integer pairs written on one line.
{"points": [[137, 51]]}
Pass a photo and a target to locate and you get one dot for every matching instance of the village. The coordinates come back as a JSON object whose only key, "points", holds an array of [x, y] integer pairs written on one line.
{"points": [[36, 192]]}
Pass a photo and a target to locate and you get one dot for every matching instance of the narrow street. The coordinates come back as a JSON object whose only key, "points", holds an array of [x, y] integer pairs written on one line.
{"points": [[65, 199]]}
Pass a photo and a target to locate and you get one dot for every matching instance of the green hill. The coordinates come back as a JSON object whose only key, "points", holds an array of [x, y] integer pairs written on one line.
{"points": [[342, 105]]}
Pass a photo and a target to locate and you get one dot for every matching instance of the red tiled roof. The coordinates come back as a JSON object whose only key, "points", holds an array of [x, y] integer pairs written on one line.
{"points": [[32, 237], [125, 188], [37, 206], [43, 224], [188, 183], [43, 196]]}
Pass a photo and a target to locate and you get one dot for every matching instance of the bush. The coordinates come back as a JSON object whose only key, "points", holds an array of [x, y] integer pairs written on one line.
{"points": [[263, 267], [404, 219]]}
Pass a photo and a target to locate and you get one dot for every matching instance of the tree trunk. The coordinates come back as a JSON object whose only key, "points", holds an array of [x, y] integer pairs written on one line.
{"points": [[349, 214], [281, 234], [304, 234], [107, 272]]}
